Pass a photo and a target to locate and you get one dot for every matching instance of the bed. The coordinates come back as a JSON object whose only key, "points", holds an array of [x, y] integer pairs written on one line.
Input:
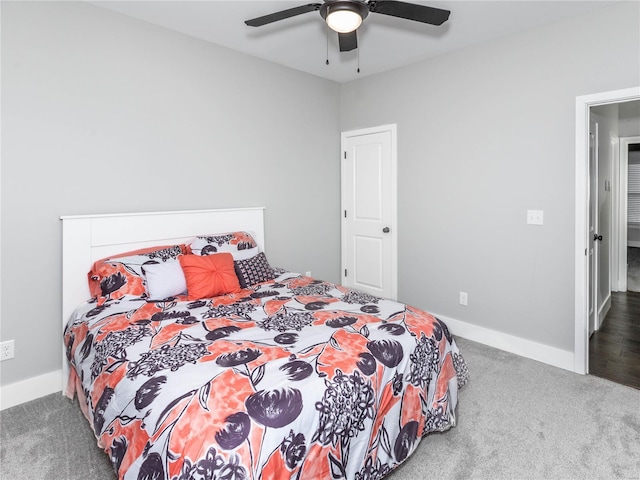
{"points": [[239, 369]]}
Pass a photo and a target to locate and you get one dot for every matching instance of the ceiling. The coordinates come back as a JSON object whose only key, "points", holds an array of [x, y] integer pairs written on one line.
{"points": [[385, 42]]}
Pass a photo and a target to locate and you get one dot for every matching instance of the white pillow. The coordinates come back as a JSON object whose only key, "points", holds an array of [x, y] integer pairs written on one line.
{"points": [[165, 279]]}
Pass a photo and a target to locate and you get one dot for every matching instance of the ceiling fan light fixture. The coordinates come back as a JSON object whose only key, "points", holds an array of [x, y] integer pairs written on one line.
{"points": [[344, 21], [344, 16]]}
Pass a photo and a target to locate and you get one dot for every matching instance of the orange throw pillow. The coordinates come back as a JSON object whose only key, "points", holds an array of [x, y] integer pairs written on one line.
{"points": [[209, 276]]}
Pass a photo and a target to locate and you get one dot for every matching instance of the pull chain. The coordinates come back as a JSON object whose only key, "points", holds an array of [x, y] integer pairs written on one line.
{"points": [[326, 31], [358, 41]]}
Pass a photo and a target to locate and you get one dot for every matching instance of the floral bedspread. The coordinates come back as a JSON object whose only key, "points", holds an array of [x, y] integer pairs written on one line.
{"points": [[293, 378]]}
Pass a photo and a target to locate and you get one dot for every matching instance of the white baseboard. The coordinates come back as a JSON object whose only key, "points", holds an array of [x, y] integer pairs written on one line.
{"points": [[30, 389], [509, 343], [603, 310]]}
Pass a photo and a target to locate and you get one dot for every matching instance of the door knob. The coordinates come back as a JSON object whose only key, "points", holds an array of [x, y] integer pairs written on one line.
{"points": [[597, 237], [385, 230]]}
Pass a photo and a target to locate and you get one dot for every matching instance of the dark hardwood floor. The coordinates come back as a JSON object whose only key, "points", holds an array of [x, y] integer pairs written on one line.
{"points": [[614, 350]]}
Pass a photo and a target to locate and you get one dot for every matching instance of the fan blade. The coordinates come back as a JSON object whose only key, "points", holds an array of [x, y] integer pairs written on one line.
{"points": [[290, 12], [410, 11], [348, 41]]}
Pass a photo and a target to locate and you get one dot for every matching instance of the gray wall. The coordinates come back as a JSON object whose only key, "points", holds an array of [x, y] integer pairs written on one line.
{"points": [[104, 113], [629, 119], [483, 135]]}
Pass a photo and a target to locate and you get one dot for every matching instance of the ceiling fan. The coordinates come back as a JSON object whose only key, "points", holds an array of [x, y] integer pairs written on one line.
{"points": [[345, 16]]}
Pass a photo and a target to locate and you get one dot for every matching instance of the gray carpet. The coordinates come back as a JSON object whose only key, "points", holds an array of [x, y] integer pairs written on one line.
{"points": [[517, 419], [633, 269]]}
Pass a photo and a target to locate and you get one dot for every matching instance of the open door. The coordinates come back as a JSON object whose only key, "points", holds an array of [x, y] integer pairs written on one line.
{"points": [[594, 236]]}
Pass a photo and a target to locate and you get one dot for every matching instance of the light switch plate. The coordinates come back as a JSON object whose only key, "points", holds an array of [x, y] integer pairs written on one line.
{"points": [[535, 217], [464, 298]]}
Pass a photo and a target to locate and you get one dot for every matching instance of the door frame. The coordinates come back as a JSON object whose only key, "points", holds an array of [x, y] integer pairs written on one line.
{"points": [[393, 130], [583, 110]]}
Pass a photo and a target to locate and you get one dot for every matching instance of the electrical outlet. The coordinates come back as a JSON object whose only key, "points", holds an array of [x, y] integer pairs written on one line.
{"points": [[463, 298], [6, 350], [535, 217], [308, 273]]}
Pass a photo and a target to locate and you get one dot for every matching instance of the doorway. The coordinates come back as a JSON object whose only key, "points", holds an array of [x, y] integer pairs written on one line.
{"points": [[584, 242], [614, 348]]}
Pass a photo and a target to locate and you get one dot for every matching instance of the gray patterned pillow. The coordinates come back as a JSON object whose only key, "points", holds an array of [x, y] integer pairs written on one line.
{"points": [[253, 270]]}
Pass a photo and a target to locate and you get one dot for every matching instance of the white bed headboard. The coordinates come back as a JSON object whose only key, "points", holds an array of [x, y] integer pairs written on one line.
{"points": [[87, 238]]}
